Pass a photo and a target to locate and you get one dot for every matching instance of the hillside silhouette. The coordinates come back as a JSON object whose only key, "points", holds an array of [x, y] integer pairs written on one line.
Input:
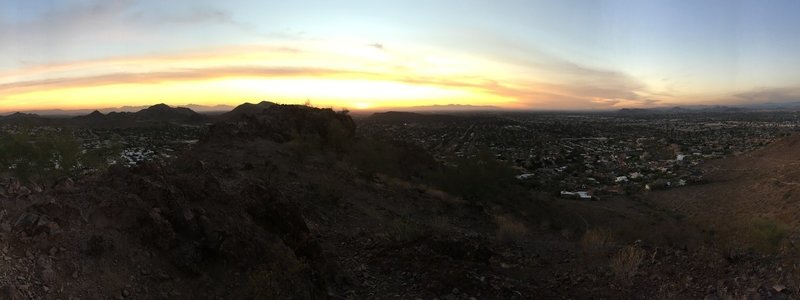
{"points": [[247, 109]]}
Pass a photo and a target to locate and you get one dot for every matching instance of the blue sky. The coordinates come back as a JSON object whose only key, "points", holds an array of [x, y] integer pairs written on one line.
{"points": [[526, 54]]}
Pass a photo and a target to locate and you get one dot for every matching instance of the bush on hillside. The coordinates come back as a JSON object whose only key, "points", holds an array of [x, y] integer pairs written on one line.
{"points": [[44, 156], [626, 262], [477, 179], [597, 241], [767, 235], [510, 229]]}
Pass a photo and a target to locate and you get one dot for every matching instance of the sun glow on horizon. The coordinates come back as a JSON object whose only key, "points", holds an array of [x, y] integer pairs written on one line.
{"points": [[339, 93], [362, 105]]}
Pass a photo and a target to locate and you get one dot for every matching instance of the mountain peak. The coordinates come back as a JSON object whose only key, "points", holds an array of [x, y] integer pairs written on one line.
{"points": [[160, 106], [248, 109]]}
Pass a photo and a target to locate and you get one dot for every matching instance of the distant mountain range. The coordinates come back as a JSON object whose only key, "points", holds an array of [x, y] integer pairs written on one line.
{"points": [[452, 107], [405, 116], [686, 109], [82, 112], [786, 106], [436, 108], [160, 113]]}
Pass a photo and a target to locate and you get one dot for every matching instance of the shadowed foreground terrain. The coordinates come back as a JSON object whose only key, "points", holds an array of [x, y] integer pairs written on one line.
{"points": [[287, 203]]}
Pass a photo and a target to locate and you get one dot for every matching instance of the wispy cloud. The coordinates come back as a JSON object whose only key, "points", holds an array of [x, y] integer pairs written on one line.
{"points": [[548, 78], [191, 57], [71, 30], [165, 76]]}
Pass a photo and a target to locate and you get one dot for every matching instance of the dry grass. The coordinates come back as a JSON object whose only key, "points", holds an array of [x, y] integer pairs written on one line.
{"points": [[426, 189], [404, 230], [597, 241], [285, 277], [442, 195], [627, 261], [440, 225], [396, 182], [767, 235], [510, 229]]}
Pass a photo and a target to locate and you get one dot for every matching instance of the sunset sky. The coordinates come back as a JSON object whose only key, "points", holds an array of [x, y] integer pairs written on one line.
{"points": [[563, 54]]}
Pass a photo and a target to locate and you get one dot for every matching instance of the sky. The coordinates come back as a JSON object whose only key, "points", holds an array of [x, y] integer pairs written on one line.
{"points": [[541, 55]]}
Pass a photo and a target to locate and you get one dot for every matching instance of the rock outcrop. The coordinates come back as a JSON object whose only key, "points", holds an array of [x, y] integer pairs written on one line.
{"points": [[176, 230]]}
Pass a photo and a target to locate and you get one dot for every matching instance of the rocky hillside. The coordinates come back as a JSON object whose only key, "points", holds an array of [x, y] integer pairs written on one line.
{"points": [[745, 191], [182, 230], [287, 203]]}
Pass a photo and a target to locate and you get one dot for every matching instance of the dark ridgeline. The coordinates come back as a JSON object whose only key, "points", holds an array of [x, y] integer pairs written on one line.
{"points": [[156, 114], [153, 115], [246, 109], [160, 113], [26, 119]]}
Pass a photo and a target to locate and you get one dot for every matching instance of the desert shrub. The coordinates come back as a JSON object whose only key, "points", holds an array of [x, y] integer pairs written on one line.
{"points": [[338, 137], [303, 146], [477, 179], [597, 240], [287, 282], [42, 156], [626, 262], [510, 229], [767, 235], [669, 291], [394, 158], [404, 230], [283, 276], [440, 224]]}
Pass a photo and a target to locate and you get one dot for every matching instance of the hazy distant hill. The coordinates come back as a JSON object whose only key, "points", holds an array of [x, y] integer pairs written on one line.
{"points": [[775, 106], [452, 108], [410, 117], [686, 110], [57, 112], [82, 112], [754, 107], [447, 108], [400, 117], [207, 109]]}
